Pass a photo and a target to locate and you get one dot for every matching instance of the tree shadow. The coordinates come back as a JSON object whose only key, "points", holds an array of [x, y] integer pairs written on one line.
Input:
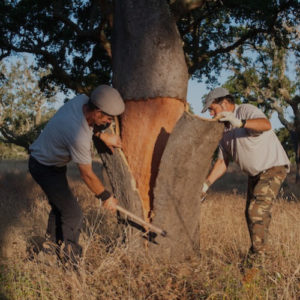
{"points": [[16, 186], [3, 297], [158, 151]]}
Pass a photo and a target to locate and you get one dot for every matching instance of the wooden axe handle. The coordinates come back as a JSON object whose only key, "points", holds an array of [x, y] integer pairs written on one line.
{"points": [[141, 221]]}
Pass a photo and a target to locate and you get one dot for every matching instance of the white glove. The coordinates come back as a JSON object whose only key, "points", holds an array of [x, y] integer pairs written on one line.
{"points": [[204, 190], [229, 116]]}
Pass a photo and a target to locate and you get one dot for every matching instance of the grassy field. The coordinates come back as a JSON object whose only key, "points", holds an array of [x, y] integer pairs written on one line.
{"points": [[111, 269]]}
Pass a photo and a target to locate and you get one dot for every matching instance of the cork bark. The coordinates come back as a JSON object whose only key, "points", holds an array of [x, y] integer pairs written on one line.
{"points": [[183, 168]]}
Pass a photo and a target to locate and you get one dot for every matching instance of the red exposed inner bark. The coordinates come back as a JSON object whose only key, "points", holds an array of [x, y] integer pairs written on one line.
{"points": [[146, 125]]}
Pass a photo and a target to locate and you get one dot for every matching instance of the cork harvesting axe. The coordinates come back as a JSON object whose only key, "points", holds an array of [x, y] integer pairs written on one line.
{"points": [[141, 221]]}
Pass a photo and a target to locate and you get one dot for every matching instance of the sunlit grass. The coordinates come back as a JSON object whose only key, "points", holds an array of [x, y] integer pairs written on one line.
{"points": [[111, 269]]}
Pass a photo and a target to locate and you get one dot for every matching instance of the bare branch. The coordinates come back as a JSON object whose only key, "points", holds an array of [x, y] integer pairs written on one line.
{"points": [[51, 59], [188, 5], [276, 106], [250, 34]]}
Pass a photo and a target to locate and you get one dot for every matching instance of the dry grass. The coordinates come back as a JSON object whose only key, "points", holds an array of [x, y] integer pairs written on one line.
{"points": [[113, 270]]}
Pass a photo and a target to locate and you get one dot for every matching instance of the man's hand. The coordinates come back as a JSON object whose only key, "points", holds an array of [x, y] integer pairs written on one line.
{"points": [[230, 117], [111, 140], [204, 190], [110, 204]]}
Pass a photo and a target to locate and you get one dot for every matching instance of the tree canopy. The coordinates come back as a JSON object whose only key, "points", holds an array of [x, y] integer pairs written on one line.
{"points": [[74, 37]]}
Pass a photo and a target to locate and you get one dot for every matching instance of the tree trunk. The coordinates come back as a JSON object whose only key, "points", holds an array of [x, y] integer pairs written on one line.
{"points": [[150, 72], [298, 161], [295, 134]]}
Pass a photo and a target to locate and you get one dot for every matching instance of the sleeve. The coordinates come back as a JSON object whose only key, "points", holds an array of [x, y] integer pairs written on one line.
{"points": [[80, 151], [249, 111]]}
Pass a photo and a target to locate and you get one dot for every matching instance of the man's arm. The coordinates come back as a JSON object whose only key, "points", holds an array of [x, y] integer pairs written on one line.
{"points": [[90, 178], [217, 171], [111, 140], [257, 124], [95, 185], [260, 124]]}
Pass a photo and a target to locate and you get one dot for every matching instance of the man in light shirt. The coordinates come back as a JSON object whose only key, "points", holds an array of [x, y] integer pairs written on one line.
{"points": [[250, 142], [68, 136]]}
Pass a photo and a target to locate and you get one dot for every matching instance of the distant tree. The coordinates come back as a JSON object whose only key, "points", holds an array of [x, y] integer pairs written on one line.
{"points": [[24, 108], [287, 142], [264, 81]]}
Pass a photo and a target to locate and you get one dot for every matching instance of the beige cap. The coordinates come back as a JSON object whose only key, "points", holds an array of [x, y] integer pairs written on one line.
{"points": [[108, 100], [213, 95]]}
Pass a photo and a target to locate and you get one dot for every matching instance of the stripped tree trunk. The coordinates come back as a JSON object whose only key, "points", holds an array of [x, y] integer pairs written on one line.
{"points": [[150, 72]]}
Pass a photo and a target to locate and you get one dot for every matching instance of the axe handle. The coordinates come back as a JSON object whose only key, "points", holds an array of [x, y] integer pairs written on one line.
{"points": [[141, 221]]}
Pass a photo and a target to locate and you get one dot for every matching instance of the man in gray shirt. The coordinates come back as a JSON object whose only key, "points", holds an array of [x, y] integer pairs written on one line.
{"points": [[250, 142], [68, 136]]}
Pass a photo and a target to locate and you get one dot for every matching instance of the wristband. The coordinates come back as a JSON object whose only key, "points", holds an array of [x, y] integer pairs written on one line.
{"points": [[243, 123], [104, 195]]}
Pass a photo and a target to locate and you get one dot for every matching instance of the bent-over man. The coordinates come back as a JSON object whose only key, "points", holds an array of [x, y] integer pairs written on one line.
{"points": [[250, 142], [68, 136]]}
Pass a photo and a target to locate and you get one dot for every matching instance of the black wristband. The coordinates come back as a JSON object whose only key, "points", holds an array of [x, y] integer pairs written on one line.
{"points": [[243, 123], [104, 195]]}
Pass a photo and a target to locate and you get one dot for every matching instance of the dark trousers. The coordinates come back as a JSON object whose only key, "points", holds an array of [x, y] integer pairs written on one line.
{"points": [[65, 218]]}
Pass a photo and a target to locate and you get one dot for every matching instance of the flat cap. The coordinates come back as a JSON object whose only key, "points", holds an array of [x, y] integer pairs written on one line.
{"points": [[213, 95], [108, 100]]}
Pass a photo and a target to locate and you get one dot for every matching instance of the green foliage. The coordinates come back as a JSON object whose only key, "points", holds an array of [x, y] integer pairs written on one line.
{"points": [[24, 108], [284, 137], [75, 37], [63, 34], [213, 33]]}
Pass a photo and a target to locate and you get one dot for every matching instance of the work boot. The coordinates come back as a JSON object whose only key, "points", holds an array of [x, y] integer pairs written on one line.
{"points": [[71, 256], [254, 260]]}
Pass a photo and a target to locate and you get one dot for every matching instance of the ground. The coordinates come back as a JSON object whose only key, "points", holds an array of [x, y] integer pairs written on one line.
{"points": [[112, 269]]}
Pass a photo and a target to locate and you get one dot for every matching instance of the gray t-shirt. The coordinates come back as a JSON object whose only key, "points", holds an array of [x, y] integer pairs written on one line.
{"points": [[253, 151], [67, 136]]}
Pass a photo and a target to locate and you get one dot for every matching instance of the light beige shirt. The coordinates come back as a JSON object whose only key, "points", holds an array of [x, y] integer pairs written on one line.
{"points": [[253, 151], [67, 136]]}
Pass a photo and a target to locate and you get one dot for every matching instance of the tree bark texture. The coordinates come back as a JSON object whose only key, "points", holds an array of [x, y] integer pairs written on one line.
{"points": [[123, 186], [148, 59], [150, 71], [183, 168]]}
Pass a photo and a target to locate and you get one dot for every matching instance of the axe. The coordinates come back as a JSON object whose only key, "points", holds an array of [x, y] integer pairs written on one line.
{"points": [[141, 221]]}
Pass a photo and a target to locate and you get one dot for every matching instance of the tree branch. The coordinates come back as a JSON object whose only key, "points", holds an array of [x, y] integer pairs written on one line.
{"points": [[61, 74], [183, 7], [250, 34], [288, 125]]}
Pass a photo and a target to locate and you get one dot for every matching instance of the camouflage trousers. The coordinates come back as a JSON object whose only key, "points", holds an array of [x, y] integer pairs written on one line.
{"points": [[262, 191]]}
